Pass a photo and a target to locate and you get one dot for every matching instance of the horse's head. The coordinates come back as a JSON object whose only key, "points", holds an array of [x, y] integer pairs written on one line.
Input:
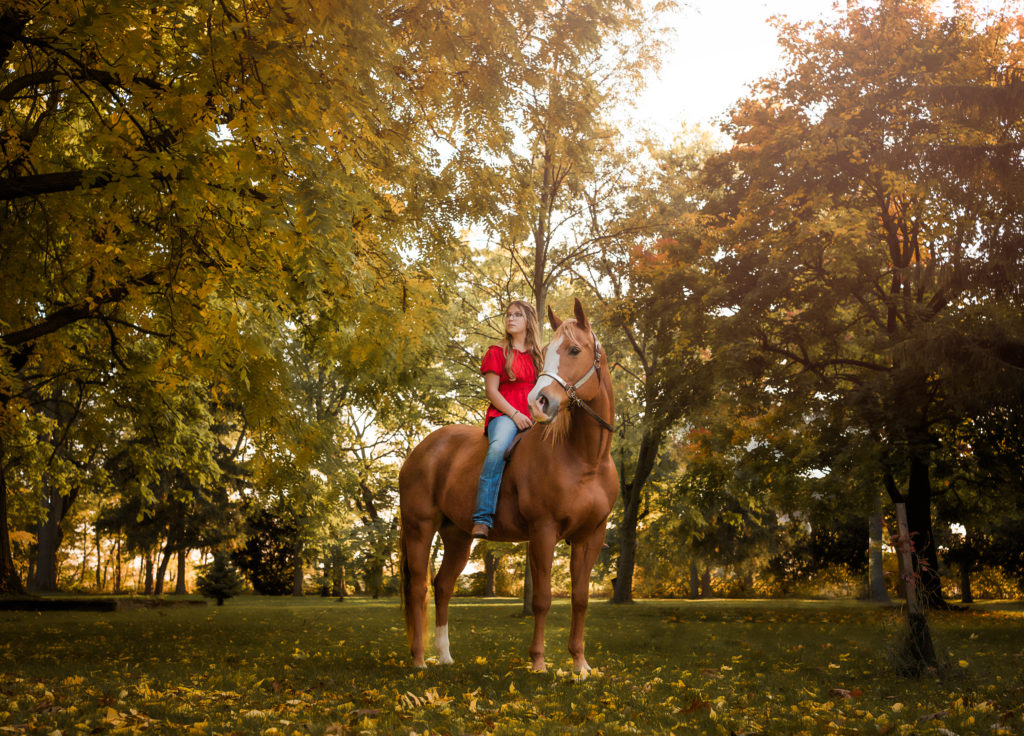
{"points": [[571, 372]]}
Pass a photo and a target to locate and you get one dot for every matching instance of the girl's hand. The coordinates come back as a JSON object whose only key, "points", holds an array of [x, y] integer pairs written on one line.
{"points": [[522, 420]]}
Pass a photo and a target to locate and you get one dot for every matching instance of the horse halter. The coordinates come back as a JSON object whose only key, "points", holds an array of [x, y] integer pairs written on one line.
{"points": [[570, 388]]}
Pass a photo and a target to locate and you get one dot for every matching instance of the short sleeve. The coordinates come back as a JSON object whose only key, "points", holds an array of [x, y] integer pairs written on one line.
{"points": [[494, 361]]}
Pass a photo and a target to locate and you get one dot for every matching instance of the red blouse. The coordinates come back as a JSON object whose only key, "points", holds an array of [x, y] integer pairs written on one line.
{"points": [[515, 391]]}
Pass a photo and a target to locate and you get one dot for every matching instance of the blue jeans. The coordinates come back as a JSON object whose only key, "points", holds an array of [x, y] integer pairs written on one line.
{"points": [[500, 433]]}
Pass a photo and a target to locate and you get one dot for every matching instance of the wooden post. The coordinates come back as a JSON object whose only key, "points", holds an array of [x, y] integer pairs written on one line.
{"points": [[918, 650], [905, 548]]}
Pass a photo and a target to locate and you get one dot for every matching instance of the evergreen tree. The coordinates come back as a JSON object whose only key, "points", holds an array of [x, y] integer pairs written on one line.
{"points": [[221, 580]]}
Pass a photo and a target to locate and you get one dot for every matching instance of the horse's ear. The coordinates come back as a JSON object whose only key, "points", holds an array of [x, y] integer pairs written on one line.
{"points": [[581, 319], [555, 322]]}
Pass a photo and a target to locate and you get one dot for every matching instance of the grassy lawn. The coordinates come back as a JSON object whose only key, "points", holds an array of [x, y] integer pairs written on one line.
{"points": [[313, 665]]}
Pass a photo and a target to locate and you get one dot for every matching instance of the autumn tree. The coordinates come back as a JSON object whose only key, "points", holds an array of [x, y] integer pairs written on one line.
{"points": [[871, 215], [640, 201], [197, 176], [584, 58]]}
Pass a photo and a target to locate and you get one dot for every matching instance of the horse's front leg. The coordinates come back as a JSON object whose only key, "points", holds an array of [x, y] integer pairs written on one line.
{"points": [[542, 551], [583, 556]]}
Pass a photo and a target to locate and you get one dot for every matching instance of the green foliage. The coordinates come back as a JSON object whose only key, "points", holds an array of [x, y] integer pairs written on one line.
{"points": [[187, 194], [267, 555], [237, 268], [847, 255]]}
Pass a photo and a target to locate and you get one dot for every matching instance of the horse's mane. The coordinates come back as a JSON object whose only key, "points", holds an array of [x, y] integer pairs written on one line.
{"points": [[558, 430], [570, 331]]}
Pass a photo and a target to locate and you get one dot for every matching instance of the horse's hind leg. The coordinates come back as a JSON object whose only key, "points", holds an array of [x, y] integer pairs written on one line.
{"points": [[416, 539], [457, 544], [584, 555]]}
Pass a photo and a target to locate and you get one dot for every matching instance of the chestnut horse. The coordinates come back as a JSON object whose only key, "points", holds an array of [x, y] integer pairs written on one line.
{"points": [[560, 483]]}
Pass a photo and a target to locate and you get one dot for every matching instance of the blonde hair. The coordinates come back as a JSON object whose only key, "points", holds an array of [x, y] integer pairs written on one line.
{"points": [[532, 339]]}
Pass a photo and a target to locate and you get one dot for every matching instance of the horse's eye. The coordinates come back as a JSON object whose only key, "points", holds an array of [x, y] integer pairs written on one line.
{"points": [[574, 350]]}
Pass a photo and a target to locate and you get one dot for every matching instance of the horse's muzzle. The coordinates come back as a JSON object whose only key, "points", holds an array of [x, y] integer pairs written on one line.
{"points": [[543, 409]]}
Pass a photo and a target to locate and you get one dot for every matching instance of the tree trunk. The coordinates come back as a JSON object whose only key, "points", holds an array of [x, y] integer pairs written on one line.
{"points": [[375, 579], [623, 590], [490, 565], [179, 587], [527, 586], [876, 575], [966, 567], [99, 560], [919, 521], [83, 568], [966, 595], [694, 580], [705, 584], [117, 573], [297, 572], [747, 584], [10, 582], [326, 575], [161, 570], [148, 590], [49, 535], [339, 582], [632, 494]]}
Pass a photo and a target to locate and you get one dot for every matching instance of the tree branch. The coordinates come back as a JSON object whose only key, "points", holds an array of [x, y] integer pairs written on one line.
{"points": [[817, 366], [85, 309], [33, 185]]}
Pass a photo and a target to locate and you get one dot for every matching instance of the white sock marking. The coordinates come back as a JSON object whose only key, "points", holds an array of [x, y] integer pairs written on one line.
{"points": [[444, 655]]}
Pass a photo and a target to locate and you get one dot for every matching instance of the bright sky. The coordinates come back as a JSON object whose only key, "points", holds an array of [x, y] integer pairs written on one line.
{"points": [[721, 46]]}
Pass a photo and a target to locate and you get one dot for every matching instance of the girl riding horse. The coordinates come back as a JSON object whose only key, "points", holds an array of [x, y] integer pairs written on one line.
{"points": [[559, 484], [510, 370]]}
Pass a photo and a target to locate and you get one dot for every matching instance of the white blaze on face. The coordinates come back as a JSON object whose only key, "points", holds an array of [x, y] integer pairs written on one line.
{"points": [[444, 655], [551, 360]]}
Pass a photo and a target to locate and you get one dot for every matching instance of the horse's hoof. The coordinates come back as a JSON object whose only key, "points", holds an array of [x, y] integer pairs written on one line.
{"points": [[582, 671], [539, 665], [445, 659], [421, 665]]}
